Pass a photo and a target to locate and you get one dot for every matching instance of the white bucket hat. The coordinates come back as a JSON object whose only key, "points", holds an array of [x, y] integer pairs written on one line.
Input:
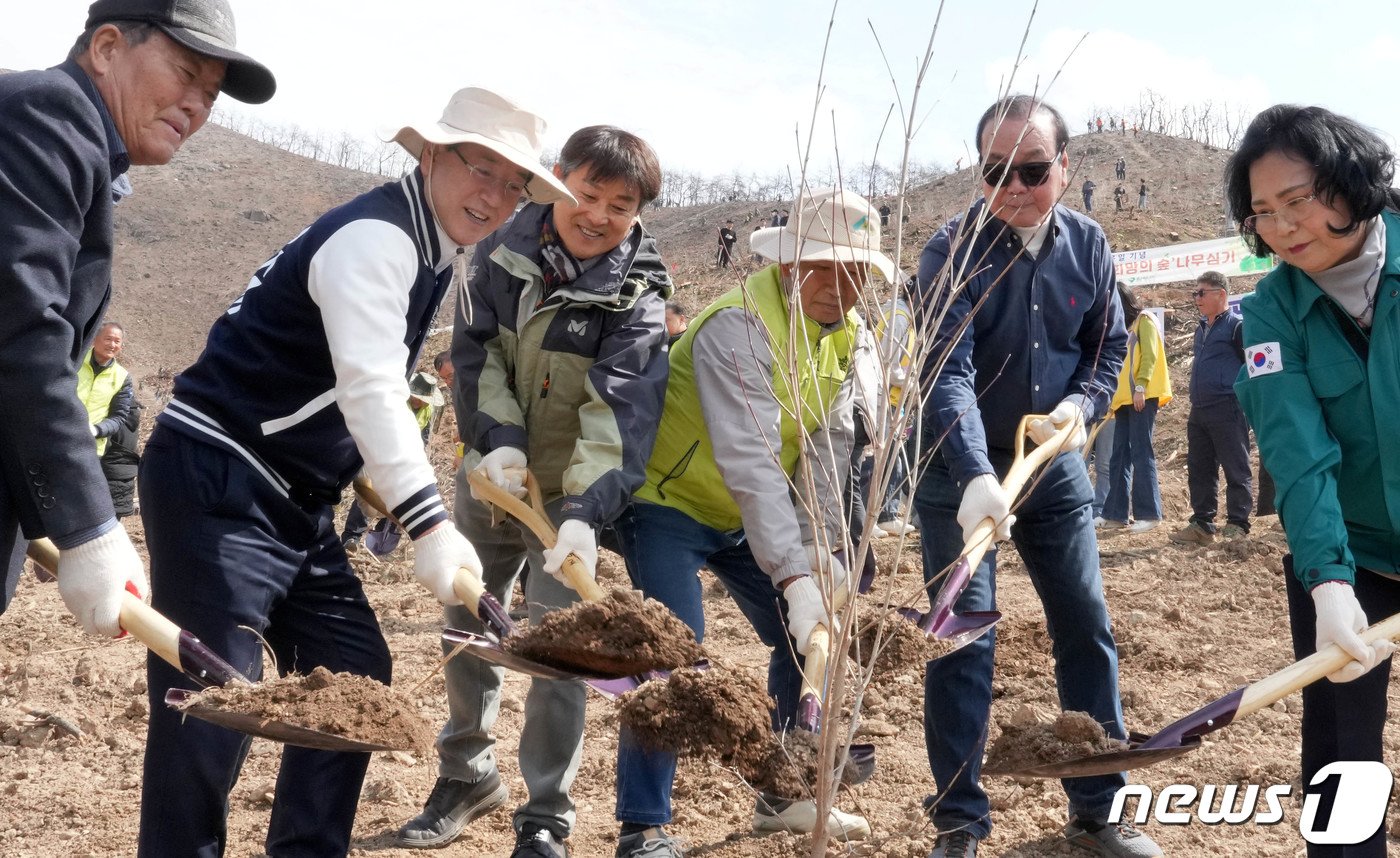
{"points": [[423, 386], [837, 225], [479, 116]]}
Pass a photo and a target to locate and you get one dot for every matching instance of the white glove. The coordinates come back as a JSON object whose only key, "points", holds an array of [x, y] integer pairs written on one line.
{"points": [[1072, 407], [985, 498], [505, 466], [92, 427], [805, 611], [93, 577], [1339, 619], [575, 537], [437, 555], [828, 566]]}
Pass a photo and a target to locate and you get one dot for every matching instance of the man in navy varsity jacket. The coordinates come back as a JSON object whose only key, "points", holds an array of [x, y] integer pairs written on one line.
{"points": [[302, 384], [140, 79]]}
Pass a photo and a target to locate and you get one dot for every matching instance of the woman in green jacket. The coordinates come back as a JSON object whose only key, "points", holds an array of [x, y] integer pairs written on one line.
{"points": [[1321, 386]]}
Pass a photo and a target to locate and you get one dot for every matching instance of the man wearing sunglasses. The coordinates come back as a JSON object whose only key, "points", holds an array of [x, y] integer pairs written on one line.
{"points": [[1217, 433], [1021, 296]]}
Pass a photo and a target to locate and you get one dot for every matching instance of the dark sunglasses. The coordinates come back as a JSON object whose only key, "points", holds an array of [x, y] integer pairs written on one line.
{"points": [[1201, 293], [1033, 173]]}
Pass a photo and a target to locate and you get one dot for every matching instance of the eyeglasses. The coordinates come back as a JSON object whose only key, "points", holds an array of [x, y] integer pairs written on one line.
{"points": [[512, 187], [1033, 173], [1292, 211], [1201, 293]]}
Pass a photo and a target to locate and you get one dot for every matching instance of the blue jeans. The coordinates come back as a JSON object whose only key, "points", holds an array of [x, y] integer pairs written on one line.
{"points": [[1134, 463], [1103, 452], [1054, 534], [664, 549]]}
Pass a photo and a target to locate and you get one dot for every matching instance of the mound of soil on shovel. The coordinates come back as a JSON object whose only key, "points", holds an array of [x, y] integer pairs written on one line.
{"points": [[902, 644], [341, 704], [723, 714], [622, 634], [1070, 736]]}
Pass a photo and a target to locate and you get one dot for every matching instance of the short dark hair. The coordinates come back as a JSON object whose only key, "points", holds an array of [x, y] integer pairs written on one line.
{"points": [[676, 307], [1350, 162], [135, 32], [1023, 107], [1215, 280], [612, 153], [439, 359]]}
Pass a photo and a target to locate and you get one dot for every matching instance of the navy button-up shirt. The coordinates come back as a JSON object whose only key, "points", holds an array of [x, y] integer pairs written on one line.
{"points": [[1020, 334]]}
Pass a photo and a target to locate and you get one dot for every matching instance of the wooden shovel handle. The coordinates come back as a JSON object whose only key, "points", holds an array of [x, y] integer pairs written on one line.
{"points": [[532, 515], [1022, 467], [1320, 664], [465, 584], [152, 628]]}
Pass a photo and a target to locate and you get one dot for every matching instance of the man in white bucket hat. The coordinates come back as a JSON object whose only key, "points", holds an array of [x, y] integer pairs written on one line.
{"points": [[301, 385], [717, 488]]}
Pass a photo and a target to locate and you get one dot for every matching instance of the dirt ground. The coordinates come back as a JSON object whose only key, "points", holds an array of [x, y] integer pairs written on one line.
{"points": [[1191, 623]]}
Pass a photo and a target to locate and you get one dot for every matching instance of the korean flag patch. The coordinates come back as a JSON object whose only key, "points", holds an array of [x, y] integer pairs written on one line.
{"points": [[1263, 359]]}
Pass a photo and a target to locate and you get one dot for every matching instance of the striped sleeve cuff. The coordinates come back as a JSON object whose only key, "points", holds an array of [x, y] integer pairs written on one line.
{"points": [[422, 511]]}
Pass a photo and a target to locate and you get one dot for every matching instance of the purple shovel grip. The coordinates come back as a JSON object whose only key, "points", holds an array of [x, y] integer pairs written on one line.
{"points": [[809, 713], [495, 618], [1207, 719], [952, 588], [201, 664]]}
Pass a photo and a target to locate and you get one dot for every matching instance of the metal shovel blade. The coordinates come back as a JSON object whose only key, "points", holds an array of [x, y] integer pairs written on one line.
{"points": [[277, 731], [490, 650], [941, 623], [1137, 756]]}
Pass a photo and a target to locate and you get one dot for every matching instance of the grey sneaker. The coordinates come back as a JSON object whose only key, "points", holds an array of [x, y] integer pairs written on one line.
{"points": [[954, 844], [652, 843], [1193, 534], [1233, 531], [536, 842], [1119, 839], [450, 807]]}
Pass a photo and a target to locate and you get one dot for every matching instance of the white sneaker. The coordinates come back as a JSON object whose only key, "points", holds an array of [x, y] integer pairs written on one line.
{"points": [[800, 817], [1100, 521], [1143, 525], [878, 532], [898, 528]]}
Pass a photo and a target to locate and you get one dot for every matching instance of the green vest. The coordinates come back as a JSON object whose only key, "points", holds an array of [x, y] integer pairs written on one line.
{"points": [[681, 472], [96, 391]]}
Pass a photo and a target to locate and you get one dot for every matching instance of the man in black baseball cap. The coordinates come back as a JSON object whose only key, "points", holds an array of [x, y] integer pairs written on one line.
{"points": [[137, 83], [203, 26]]}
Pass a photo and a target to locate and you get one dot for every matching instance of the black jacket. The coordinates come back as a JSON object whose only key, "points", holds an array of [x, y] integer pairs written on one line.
{"points": [[59, 152]]}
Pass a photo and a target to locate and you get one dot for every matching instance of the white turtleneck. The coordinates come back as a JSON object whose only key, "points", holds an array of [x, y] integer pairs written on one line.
{"points": [[1353, 284]]}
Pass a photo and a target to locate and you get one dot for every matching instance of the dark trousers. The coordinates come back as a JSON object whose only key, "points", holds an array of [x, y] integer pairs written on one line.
{"points": [[1217, 439], [228, 550], [1341, 721]]}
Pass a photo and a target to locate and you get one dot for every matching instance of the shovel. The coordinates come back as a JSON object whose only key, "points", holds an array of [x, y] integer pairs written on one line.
{"points": [[1184, 735], [489, 611], [941, 622], [187, 654]]}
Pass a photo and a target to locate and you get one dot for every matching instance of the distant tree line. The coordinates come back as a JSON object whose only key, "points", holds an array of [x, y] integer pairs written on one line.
{"points": [[677, 188], [1212, 123]]}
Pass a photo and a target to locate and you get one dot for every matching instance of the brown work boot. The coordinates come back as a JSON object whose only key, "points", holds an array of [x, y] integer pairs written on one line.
{"points": [[1233, 531], [1193, 534]]}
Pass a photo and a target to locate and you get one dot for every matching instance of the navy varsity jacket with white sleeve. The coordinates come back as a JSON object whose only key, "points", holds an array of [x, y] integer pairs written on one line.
{"points": [[306, 373]]}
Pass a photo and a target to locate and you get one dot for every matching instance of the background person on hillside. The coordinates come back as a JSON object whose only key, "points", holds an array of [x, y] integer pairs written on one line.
{"points": [[302, 385], [67, 134], [1217, 434], [1120, 170], [1144, 385], [1039, 271], [1142, 196], [559, 350], [1120, 193], [1088, 190], [1322, 343], [677, 320], [727, 238], [104, 386], [717, 490]]}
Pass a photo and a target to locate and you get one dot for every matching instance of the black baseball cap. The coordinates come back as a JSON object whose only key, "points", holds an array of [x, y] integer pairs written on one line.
{"points": [[203, 26]]}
